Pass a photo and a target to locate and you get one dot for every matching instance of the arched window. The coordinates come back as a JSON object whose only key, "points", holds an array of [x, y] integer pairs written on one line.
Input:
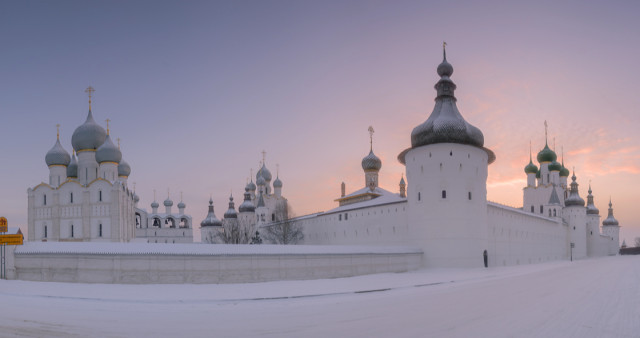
{"points": [[71, 230], [100, 196], [444, 194], [549, 212], [273, 217], [45, 231], [418, 196], [45, 200], [71, 198], [554, 212], [469, 195], [100, 230], [541, 210]]}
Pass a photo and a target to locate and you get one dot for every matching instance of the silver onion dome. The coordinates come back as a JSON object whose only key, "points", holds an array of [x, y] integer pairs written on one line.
{"points": [[264, 172], [231, 212], [57, 155], [591, 208], [610, 220], [574, 198], [247, 205], [124, 169], [88, 136], [251, 186], [108, 152], [72, 168], [371, 162], [261, 181], [181, 205], [277, 183], [168, 202], [155, 205], [211, 219]]}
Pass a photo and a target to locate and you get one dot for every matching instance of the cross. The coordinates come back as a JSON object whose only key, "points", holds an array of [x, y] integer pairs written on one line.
{"points": [[371, 131], [277, 169], [444, 51], [181, 196], [89, 91], [107, 120], [118, 139], [264, 153], [167, 192], [58, 130]]}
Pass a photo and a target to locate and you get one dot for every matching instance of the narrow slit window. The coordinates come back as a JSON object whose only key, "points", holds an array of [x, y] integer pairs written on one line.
{"points": [[444, 194]]}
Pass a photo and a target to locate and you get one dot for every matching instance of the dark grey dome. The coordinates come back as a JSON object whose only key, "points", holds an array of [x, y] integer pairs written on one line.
{"points": [[251, 186], [108, 152], [591, 208], [168, 202], [123, 168], [247, 205], [231, 212], [446, 124], [371, 162], [261, 181], [181, 205], [574, 198], [57, 155], [264, 172], [72, 168], [610, 220], [277, 183], [155, 205], [211, 219], [88, 136]]}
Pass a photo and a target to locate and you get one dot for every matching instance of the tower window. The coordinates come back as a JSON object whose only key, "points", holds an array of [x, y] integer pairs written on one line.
{"points": [[469, 195], [340, 217], [451, 153], [541, 209], [273, 217], [100, 230], [346, 216], [71, 230], [100, 196], [71, 198], [554, 212], [45, 231], [418, 196], [532, 209], [444, 194], [45, 200]]}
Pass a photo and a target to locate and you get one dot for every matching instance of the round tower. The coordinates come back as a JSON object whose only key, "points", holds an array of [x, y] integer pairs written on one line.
{"points": [[593, 227], [575, 215], [611, 228], [446, 169]]}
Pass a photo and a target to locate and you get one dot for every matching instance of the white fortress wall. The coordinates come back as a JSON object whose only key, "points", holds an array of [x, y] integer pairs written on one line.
{"points": [[384, 224], [518, 237], [137, 263]]}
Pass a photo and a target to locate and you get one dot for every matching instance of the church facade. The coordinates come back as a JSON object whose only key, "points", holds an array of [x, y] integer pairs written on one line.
{"points": [[443, 209]]}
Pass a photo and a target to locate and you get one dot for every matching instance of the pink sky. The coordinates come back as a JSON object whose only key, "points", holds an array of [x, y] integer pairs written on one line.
{"points": [[196, 91]]}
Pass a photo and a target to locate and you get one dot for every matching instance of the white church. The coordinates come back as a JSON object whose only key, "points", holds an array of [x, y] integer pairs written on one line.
{"points": [[443, 207]]}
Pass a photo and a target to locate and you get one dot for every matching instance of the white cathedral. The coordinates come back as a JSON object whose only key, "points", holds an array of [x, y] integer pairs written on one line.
{"points": [[443, 207], [87, 198]]}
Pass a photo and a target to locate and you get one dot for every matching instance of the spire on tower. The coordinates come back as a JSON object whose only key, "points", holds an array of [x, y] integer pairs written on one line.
{"points": [[371, 131], [58, 130], [108, 120], [444, 50]]}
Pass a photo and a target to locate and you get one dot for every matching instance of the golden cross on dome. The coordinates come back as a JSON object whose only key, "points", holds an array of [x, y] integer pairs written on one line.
{"points": [[371, 131], [58, 130], [444, 50], [118, 139], [264, 153], [108, 120], [89, 91], [277, 169]]}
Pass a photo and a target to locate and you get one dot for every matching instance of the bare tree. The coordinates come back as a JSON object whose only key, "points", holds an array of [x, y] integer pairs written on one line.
{"points": [[234, 231], [637, 242], [283, 230]]}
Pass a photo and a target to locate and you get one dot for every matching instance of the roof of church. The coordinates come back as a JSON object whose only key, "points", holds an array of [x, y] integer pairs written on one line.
{"points": [[384, 197]]}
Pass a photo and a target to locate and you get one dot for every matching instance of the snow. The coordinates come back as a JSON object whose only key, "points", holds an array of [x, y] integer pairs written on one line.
{"points": [[587, 298], [195, 249]]}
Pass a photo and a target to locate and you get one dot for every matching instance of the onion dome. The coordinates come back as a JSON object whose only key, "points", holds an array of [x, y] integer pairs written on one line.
{"points": [[247, 205], [211, 219], [108, 152], [264, 172], [155, 205], [261, 181], [555, 166], [277, 183], [136, 198], [251, 186], [72, 168], [371, 162], [123, 168], [547, 155], [181, 205], [446, 124], [591, 208], [564, 172], [231, 212], [574, 198], [168, 202], [88, 136], [610, 220], [531, 168], [57, 155]]}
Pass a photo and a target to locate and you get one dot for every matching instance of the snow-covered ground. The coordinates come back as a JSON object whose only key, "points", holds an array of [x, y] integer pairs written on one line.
{"points": [[587, 298]]}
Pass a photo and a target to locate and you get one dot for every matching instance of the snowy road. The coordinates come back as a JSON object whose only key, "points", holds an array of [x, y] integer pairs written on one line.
{"points": [[588, 298]]}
